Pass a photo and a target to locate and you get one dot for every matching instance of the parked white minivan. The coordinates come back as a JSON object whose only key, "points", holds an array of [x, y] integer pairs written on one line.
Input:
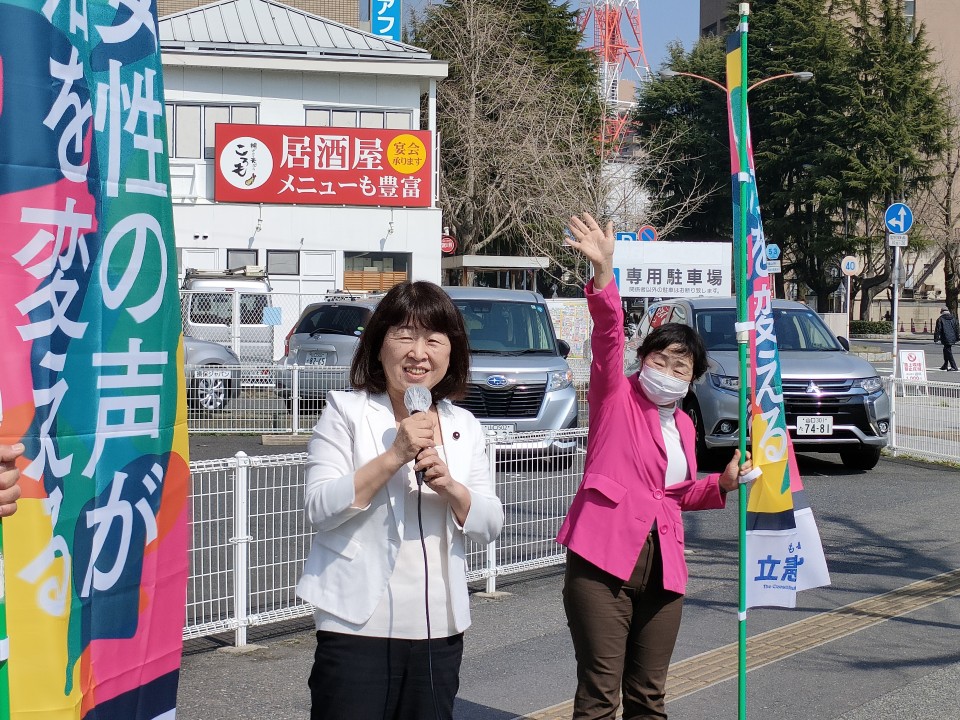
{"points": [[232, 308]]}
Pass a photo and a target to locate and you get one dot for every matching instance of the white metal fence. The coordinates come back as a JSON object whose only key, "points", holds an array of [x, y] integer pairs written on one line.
{"points": [[926, 419], [249, 535], [249, 538], [287, 399]]}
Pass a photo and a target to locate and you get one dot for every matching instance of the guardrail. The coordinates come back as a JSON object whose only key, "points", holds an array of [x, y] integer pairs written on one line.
{"points": [[250, 539]]}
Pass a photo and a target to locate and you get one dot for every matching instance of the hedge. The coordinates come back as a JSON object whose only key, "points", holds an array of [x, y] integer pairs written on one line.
{"points": [[871, 327]]}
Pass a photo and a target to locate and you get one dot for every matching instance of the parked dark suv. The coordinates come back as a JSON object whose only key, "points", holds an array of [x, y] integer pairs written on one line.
{"points": [[834, 400]]}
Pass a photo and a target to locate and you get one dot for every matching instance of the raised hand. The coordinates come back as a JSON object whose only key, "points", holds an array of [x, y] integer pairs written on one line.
{"points": [[594, 243]]}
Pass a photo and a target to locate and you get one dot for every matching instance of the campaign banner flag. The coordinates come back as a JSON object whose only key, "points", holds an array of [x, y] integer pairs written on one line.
{"points": [[292, 164], [784, 553], [95, 559]]}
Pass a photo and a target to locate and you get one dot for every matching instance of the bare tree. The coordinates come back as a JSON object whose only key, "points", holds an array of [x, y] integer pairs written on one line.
{"points": [[938, 208], [517, 143]]}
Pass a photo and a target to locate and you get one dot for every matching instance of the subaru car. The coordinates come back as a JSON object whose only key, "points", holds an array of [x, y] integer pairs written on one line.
{"points": [[834, 400], [519, 377]]}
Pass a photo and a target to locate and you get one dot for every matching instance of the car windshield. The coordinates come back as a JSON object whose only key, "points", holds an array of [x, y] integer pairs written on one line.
{"points": [[507, 327], [797, 330], [336, 320]]}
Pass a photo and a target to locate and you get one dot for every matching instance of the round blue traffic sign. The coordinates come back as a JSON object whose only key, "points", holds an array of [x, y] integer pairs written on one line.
{"points": [[898, 218], [648, 233]]}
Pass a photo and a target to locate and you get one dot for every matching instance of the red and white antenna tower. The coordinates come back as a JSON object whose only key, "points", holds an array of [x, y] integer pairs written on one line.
{"points": [[617, 40]]}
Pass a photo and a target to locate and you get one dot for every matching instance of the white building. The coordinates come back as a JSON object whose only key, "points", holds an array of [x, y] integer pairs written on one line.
{"points": [[261, 63]]}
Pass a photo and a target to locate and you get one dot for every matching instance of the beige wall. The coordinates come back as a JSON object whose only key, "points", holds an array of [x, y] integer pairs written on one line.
{"points": [[942, 20]]}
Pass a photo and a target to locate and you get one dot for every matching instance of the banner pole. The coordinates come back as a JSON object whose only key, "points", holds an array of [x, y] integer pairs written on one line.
{"points": [[4, 639], [742, 350]]}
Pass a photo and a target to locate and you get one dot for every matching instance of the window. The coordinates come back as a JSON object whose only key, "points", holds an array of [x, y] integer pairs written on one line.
{"points": [[191, 129], [340, 117], [251, 308], [239, 258], [283, 262]]}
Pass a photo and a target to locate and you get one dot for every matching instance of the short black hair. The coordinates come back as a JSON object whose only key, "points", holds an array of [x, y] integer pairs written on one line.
{"points": [[676, 334], [419, 304]]}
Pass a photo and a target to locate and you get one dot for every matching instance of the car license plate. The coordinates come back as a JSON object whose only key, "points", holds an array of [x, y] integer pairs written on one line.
{"points": [[814, 425], [502, 429], [212, 374], [317, 358]]}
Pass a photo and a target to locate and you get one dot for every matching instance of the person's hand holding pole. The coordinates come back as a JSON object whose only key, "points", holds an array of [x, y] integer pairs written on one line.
{"points": [[595, 244], [9, 475]]}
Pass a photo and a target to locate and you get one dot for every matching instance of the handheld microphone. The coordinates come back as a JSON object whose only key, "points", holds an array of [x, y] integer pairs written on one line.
{"points": [[417, 398]]}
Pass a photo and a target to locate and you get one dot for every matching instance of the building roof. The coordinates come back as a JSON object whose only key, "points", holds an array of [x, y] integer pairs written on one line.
{"points": [[265, 27]]}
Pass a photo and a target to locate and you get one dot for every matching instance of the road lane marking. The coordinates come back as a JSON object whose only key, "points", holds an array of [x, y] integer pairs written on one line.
{"points": [[715, 666]]}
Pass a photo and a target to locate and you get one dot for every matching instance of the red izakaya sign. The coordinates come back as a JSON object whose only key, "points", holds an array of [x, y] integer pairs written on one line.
{"points": [[299, 165]]}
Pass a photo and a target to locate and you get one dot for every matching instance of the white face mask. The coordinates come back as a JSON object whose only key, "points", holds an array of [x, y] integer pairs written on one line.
{"points": [[660, 388]]}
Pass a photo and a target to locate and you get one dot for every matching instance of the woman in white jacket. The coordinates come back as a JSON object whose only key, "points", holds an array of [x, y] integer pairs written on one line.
{"points": [[386, 572]]}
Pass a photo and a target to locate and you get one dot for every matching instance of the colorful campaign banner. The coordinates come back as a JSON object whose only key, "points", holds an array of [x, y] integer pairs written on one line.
{"points": [[283, 164], [784, 553], [95, 559]]}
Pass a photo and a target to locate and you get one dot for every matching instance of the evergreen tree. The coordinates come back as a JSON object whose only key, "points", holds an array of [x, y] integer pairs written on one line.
{"points": [[799, 135], [897, 129]]}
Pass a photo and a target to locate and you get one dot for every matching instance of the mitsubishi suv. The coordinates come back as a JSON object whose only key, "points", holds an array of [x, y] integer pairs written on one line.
{"points": [[834, 400]]}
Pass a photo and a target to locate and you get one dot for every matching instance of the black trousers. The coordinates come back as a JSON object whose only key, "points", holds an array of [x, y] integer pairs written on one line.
{"points": [[364, 678], [623, 635], [948, 361]]}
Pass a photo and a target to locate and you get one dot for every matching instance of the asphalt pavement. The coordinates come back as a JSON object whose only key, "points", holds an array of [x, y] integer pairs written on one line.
{"points": [[877, 644]]}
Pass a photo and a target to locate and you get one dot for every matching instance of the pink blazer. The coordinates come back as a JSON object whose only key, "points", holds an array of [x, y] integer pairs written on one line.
{"points": [[623, 492]]}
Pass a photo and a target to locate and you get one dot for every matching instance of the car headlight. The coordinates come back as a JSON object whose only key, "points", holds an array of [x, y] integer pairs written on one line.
{"points": [[871, 384], [560, 380], [725, 382]]}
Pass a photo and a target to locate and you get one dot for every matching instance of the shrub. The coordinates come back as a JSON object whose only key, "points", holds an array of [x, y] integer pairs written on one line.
{"points": [[871, 327]]}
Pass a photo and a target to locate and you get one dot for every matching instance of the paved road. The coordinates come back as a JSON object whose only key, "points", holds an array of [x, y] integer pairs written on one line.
{"points": [[881, 530], [932, 351]]}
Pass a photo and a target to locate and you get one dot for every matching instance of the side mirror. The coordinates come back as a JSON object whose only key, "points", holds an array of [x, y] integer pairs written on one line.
{"points": [[843, 341], [563, 347]]}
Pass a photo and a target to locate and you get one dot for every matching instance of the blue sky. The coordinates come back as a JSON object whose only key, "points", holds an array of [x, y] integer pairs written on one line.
{"points": [[662, 21], [666, 20]]}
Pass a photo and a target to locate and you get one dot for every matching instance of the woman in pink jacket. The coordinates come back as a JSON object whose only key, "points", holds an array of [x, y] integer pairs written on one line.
{"points": [[626, 574]]}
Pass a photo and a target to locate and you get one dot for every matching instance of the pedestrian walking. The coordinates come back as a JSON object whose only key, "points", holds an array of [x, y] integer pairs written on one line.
{"points": [[947, 332], [397, 476], [626, 574]]}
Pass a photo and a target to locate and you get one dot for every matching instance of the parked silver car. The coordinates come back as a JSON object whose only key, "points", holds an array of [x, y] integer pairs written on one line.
{"points": [[322, 342], [212, 373], [519, 377], [834, 400]]}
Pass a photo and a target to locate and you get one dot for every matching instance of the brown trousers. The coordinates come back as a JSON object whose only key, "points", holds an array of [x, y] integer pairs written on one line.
{"points": [[623, 636]]}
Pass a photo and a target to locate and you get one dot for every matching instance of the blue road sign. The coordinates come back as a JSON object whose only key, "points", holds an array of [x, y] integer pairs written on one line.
{"points": [[385, 18], [773, 252], [898, 218], [648, 233], [628, 236]]}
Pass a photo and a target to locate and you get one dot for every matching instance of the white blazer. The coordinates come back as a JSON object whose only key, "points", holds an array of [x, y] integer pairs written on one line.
{"points": [[354, 550]]}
